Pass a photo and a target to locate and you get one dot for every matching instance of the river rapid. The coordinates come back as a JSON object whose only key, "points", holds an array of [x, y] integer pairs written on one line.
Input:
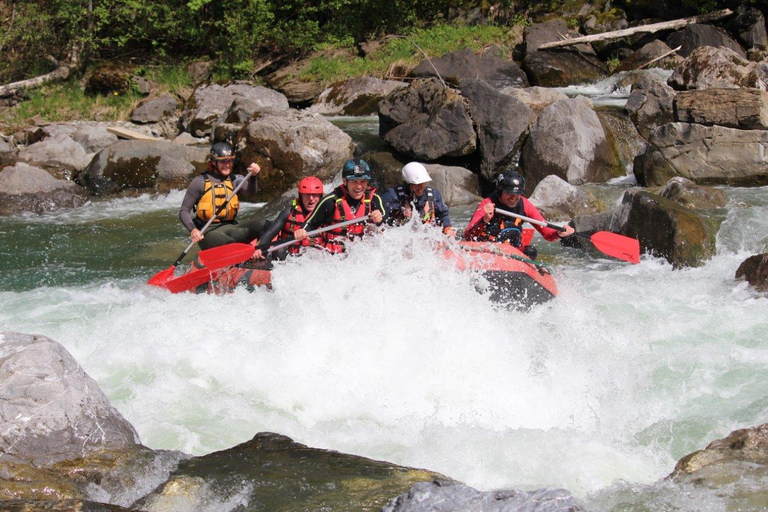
{"points": [[391, 354]]}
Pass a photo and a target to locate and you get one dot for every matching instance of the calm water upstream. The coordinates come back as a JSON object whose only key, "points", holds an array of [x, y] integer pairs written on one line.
{"points": [[391, 355]]}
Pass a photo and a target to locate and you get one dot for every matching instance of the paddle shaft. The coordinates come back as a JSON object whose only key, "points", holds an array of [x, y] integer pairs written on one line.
{"points": [[532, 221], [317, 232], [210, 221]]}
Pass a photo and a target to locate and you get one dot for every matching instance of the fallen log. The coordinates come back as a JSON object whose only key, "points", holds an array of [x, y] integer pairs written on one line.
{"points": [[653, 27]]}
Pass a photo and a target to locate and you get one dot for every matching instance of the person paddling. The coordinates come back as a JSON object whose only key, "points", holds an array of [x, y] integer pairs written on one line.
{"points": [[487, 226], [212, 189], [293, 217], [351, 200], [401, 200]]}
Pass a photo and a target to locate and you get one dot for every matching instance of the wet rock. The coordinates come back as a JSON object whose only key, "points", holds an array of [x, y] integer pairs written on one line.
{"points": [[697, 36], [569, 141], [535, 98], [667, 229], [289, 145], [354, 97], [60, 152], [427, 121], [709, 67], [622, 135], [746, 109], [696, 197], [272, 472], [152, 110], [559, 67], [441, 496], [50, 408], [707, 155], [646, 54], [501, 121], [140, 164], [755, 271], [651, 103], [466, 64], [748, 445], [211, 103], [25, 188], [557, 199]]}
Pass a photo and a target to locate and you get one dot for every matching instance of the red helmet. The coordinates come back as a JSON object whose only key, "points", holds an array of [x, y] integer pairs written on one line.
{"points": [[310, 185]]}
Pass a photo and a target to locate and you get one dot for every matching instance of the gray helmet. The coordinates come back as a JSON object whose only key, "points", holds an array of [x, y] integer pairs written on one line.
{"points": [[222, 151], [510, 182]]}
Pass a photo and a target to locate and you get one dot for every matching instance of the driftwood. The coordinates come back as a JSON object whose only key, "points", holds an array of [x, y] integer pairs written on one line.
{"points": [[653, 27], [667, 54], [125, 133], [61, 73]]}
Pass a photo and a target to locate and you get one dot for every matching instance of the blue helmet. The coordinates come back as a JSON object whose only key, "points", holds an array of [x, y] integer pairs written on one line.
{"points": [[356, 169]]}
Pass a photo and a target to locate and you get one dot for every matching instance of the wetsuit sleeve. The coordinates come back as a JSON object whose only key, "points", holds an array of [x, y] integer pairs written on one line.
{"points": [[193, 195], [275, 227], [441, 209], [391, 202], [533, 212], [378, 204], [476, 227], [322, 215]]}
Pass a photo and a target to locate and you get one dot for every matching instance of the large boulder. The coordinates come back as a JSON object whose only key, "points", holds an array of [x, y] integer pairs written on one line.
{"points": [[696, 36], [289, 145], [459, 186], [707, 155], [651, 103], [152, 110], [557, 199], [60, 153], [569, 141], [667, 229], [559, 67], [746, 109], [755, 271], [501, 122], [93, 137], [448, 496], [748, 26], [466, 64], [272, 472], [110, 78], [622, 134], [290, 80], [692, 196], [709, 67], [535, 98], [427, 121], [354, 97], [24, 188], [210, 104], [158, 165], [51, 410], [652, 51]]}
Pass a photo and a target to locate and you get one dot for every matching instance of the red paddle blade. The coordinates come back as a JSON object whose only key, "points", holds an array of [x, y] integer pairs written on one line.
{"points": [[619, 246], [190, 280], [225, 255], [162, 277]]}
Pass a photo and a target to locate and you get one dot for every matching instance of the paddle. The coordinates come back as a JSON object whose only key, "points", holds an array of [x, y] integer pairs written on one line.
{"points": [[618, 246], [232, 254], [162, 277]]}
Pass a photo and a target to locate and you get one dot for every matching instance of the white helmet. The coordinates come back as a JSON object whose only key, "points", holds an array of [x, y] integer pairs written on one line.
{"points": [[415, 173]]}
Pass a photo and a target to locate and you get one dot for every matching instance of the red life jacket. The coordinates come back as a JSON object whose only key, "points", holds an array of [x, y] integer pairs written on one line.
{"points": [[342, 213], [294, 221]]}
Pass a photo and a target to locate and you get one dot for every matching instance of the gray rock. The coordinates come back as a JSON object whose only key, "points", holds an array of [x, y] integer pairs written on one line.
{"points": [[51, 410], [749, 27], [697, 36], [199, 71], [139, 164], [707, 155], [93, 137], [646, 54], [651, 103], [211, 103], [695, 197], [440, 496], [24, 188], [557, 199], [569, 141], [459, 186], [354, 97], [709, 67], [755, 271], [427, 121], [536, 98], [59, 151], [501, 121], [152, 110], [289, 145], [466, 64], [746, 109], [622, 135]]}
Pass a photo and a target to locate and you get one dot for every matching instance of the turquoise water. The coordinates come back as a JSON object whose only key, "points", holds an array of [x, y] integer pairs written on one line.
{"points": [[390, 354]]}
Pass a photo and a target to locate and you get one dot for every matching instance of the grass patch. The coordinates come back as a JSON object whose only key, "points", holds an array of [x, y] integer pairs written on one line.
{"points": [[434, 41]]}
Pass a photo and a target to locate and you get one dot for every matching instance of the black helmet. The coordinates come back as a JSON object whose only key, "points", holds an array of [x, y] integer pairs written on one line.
{"points": [[356, 169], [510, 182], [222, 151]]}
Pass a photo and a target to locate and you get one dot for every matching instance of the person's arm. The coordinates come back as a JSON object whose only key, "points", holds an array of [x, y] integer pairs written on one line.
{"points": [[441, 210], [275, 227], [476, 227], [191, 197], [377, 205], [391, 203], [549, 234]]}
